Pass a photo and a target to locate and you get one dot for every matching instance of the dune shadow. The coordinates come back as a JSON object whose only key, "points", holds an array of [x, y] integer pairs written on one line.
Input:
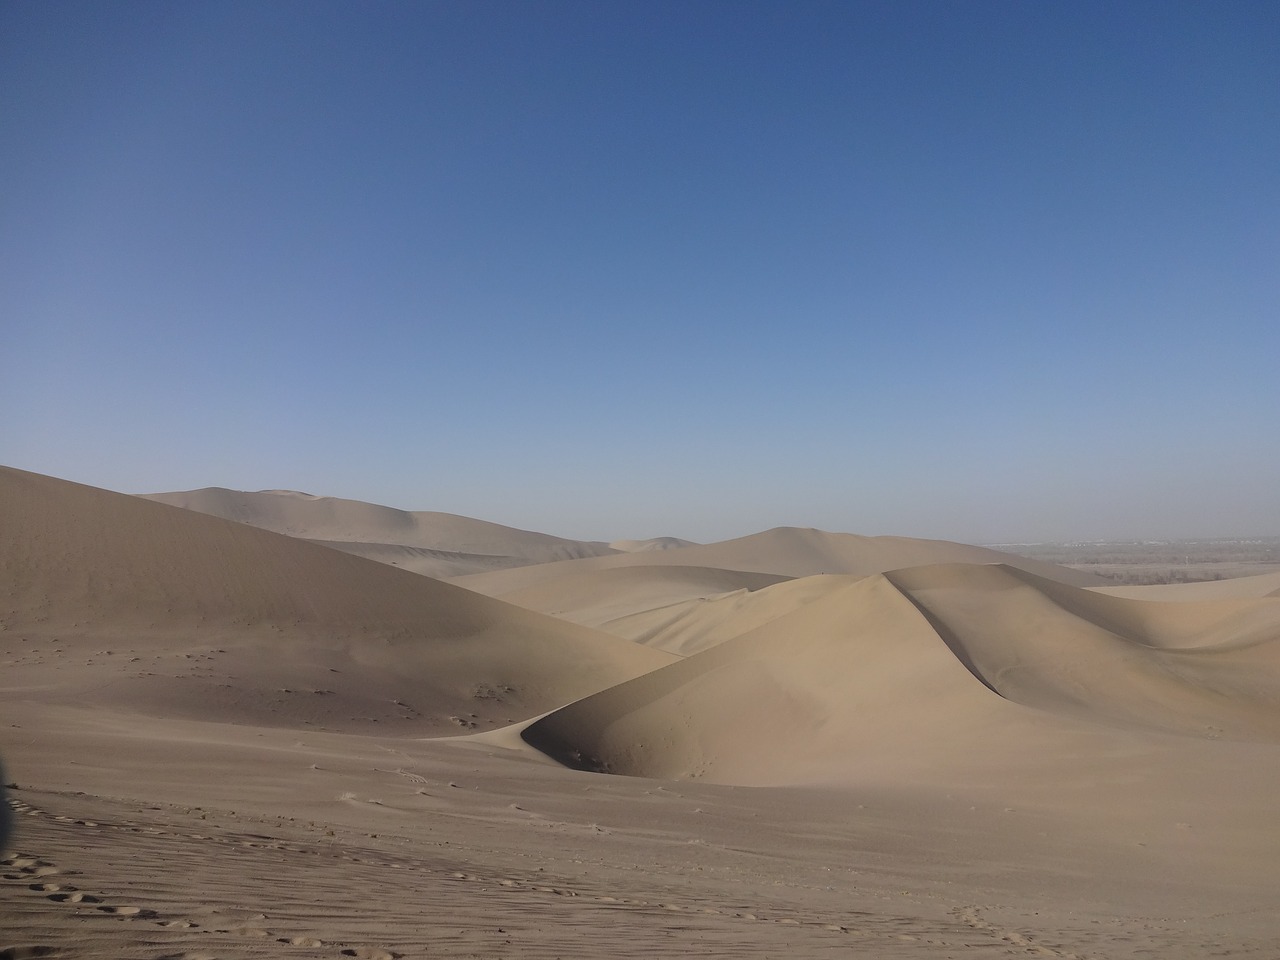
{"points": [[947, 636]]}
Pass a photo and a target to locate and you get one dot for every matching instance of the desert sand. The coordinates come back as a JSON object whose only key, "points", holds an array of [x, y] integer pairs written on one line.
{"points": [[231, 732]]}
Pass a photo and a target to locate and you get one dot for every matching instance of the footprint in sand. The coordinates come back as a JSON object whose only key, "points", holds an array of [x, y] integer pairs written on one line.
{"points": [[73, 898], [27, 867], [127, 912], [370, 953]]}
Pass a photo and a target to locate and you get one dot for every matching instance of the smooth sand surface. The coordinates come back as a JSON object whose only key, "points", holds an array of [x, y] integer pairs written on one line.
{"points": [[226, 743]]}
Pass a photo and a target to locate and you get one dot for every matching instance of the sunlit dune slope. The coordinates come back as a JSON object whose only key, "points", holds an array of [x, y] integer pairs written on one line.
{"points": [[694, 625], [686, 627], [784, 551], [952, 672], [599, 597], [123, 602]]}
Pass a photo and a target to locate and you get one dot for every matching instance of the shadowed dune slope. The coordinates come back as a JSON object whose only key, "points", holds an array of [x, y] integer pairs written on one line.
{"points": [[187, 614], [899, 676], [784, 551]]}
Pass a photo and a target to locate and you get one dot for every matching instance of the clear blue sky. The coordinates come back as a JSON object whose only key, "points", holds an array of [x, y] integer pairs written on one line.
{"points": [[975, 270]]}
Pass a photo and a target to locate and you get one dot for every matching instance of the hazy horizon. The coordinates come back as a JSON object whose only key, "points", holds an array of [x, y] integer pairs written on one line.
{"points": [[989, 272]]}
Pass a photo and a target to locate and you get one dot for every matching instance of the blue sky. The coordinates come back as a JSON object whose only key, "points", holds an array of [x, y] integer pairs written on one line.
{"points": [[983, 271]]}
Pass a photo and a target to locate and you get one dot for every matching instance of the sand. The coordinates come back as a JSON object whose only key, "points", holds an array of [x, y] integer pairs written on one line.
{"points": [[228, 742], [427, 542]]}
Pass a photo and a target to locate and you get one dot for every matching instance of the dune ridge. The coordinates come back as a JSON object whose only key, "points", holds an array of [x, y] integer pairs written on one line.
{"points": [[782, 551], [906, 668]]}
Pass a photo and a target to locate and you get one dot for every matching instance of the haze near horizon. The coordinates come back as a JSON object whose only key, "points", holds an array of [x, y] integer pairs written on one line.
{"points": [[988, 272]]}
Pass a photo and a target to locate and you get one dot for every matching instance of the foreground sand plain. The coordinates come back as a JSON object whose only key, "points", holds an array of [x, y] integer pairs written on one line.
{"points": [[229, 743]]}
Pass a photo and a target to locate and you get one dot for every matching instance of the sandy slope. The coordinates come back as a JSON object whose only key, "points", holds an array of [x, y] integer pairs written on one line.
{"points": [[688, 626], [185, 614]]}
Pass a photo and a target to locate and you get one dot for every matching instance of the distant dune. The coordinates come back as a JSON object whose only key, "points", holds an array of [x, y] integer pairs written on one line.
{"points": [[1262, 585], [655, 543], [497, 560], [783, 551], [689, 598], [437, 544]]}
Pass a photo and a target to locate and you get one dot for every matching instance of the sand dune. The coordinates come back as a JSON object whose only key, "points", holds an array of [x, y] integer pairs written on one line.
{"points": [[182, 614], [612, 599], [783, 551], [910, 669], [653, 543], [224, 742], [660, 601], [1203, 669], [438, 564], [434, 544], [458, 544], [695, 625], [855, 686]]}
